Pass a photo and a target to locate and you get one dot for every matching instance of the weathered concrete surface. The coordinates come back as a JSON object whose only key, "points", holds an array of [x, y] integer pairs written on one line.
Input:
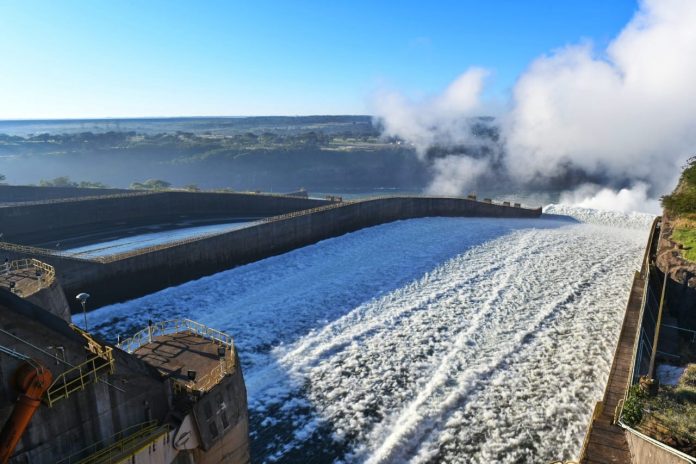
{"points": [[644, 452], [52, 299], [129, 276], [134, 393], [21, 193], [220, 414], [40, 221]]}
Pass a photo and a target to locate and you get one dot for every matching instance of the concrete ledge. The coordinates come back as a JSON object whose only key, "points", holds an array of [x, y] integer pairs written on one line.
{"points": [[128, 276]]}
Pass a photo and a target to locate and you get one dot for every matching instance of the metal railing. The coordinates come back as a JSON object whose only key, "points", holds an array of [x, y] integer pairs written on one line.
{"points": [[205, 383], [79, 377], [80, 456], [304, 212], [645, 348], [28, 263], [128, 441], [29, 268], [172, 326], [227, 365], [37, 251], [99, 349]]}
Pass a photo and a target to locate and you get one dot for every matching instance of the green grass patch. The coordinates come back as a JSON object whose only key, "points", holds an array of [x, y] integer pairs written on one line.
{"points": [[687, 238]]}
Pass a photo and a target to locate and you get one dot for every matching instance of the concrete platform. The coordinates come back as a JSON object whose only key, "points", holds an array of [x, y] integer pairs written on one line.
{"points": [[25, 281], [175, 354]]}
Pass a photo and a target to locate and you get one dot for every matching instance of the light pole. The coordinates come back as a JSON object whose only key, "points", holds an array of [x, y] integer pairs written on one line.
{"points": [[82, 298]]}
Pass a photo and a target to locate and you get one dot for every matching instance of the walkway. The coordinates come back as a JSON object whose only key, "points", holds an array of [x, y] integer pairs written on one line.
{"points": [[606, 443]]}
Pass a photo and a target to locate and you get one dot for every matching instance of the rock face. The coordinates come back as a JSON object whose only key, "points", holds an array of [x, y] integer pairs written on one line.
{"points": [[670, 260], [680, 294]]}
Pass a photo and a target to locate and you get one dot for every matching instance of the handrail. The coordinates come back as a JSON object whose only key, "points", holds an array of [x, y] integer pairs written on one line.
{"points": [[94, 447], [87, 372], [27, 263], [280, 217], [45, 273], [31, 250], [145, 335], [303, 212], [205, 383], [226, 366], [126, 445], [103, 351]]}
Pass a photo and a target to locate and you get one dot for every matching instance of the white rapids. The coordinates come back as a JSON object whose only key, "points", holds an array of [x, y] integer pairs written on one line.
{"points": [[428, 340]]}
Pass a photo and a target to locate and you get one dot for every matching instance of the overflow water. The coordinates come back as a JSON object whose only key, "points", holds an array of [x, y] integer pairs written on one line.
{"points": [[426, 340]]}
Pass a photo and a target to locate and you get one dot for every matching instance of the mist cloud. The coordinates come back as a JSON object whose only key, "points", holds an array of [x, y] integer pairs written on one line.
{"points": [[625, 200], [626, 114]]}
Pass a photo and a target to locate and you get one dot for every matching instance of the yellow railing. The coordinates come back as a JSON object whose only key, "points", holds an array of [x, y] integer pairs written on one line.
{"points": [[205, 383], [31, 268], [174, 326], [121, 449], [47, 270], [84, 454], [79, 377], [103, 351]]}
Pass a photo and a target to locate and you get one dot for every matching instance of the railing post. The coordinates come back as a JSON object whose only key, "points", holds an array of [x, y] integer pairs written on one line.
{"points": [[653, 355]]}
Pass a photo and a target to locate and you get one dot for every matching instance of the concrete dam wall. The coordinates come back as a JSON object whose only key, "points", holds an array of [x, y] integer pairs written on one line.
{"points": [[129, 275], [22, 193], [37, 221]]}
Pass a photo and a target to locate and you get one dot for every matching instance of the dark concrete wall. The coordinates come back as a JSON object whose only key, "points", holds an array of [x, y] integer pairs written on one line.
{"points": [[132, 276], [20, 193], [52, 299], [41, 220], [228, 398], [135, 392]]}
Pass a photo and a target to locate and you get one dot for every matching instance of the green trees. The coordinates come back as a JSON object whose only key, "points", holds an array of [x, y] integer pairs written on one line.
{"points": [[64, 181], [683, 200], [151, 184]]}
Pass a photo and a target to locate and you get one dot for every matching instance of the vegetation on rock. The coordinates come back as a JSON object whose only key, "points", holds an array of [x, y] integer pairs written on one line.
{"points": [[681, 208]]}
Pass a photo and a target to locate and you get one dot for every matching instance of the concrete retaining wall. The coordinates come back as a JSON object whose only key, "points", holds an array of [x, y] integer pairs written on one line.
{"points": [[127, 277], [52, 299], [39, 221], [645, 452], [17, 193]]}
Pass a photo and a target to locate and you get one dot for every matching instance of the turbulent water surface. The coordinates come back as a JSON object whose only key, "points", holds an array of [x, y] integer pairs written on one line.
{"points": [[428, 340]]}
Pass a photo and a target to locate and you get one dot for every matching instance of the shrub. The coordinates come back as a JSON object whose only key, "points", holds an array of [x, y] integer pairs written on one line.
{"points": [[633, 406]]}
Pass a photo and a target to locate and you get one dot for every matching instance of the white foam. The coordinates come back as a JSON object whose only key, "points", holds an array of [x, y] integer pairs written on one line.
{"points": [[632, 220], [449, 339]]}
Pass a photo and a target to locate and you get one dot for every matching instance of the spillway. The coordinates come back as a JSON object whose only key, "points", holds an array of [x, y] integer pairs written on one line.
{"points": [[425, 340], [115, 245]]}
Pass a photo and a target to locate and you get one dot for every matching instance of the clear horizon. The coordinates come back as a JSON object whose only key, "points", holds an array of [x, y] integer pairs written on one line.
{"points": [[118, 60]]}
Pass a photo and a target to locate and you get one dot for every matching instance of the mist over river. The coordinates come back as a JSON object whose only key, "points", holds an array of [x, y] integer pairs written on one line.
{"points": [[425, 340]]}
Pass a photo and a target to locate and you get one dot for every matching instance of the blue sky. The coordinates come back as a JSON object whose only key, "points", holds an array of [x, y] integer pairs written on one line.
{"points": [[74, 59]]}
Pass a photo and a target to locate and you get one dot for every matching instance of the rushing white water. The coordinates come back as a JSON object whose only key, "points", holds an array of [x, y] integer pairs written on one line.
{"points": [[429, 340]]}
